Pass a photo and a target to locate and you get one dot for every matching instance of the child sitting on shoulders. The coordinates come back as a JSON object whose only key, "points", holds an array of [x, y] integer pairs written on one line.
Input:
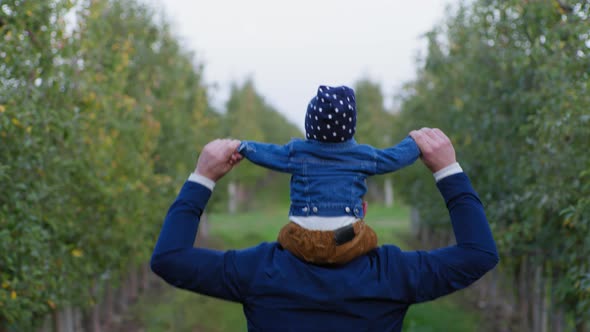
{"points": [[328, 171]]}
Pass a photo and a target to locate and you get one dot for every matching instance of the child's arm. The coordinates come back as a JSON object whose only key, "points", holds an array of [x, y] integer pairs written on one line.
{"points": [[272, 156], [396, 157]]}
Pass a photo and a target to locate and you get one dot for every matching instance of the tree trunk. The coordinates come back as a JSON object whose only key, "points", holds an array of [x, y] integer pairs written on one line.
{"points": [[557, 316], [523, 305], [133, 284], [77, 315], [145, 279], [46, 327], [123, 296], [67, 319], [388, 190], [91, 319], [559, 322], [232, 202], [538, 299], [108, 306], [493, 288], [544, 306], [57, 323], [530, 289], [203, 232]]}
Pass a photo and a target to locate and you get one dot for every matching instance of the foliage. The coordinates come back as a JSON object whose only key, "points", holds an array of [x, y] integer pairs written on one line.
{"points": [[373, 121], [508, 81], [100, 120], [249, 117], [97, 123], [374, 127]]}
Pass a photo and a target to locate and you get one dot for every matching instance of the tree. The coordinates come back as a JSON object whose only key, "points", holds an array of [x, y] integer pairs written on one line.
{"points": [[95, 124], [249, 117], [374, 127], [508, 80]]}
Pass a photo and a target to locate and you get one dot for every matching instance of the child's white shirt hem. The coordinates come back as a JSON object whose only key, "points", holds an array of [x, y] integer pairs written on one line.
{"points": [[315, 223]]}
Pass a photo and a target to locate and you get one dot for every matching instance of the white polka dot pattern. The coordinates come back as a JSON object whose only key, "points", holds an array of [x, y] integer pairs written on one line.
{"points": [[321, 123]]}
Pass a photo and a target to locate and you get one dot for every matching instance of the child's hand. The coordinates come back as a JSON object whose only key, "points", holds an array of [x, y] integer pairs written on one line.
{"points": [[216, 157], [236, 157]]}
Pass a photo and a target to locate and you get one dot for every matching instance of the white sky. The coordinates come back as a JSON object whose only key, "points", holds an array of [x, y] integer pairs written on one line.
{"points": [[290, 47]]}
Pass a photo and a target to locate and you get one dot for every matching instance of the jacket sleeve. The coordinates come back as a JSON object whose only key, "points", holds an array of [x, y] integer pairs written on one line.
{"points": [[435, 273], [272, 156], [222, 274], [396, 157]]}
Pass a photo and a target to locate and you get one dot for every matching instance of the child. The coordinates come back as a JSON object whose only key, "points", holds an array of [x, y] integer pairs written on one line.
{"points": [[328, 179]]}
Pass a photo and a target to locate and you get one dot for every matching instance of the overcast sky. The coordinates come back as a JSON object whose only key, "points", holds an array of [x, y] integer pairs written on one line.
{"points": [[290, 47]]}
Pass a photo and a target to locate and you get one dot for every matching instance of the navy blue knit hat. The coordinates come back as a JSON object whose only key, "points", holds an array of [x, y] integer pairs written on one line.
{"points": [[331, 115]]}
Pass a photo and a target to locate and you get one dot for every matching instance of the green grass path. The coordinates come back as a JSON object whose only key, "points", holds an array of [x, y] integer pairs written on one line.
{"points": [[180, 311]]}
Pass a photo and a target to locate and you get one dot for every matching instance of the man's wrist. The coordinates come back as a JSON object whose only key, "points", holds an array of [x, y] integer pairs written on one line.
{"points": [[201, 179], [449, 170]]}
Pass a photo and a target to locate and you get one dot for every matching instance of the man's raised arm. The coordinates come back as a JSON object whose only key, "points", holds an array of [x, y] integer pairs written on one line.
{"points": [[439, 272], [174, 259]]}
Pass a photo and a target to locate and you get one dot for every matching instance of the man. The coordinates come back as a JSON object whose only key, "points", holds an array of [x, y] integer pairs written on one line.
{"points": [[279, 292]]}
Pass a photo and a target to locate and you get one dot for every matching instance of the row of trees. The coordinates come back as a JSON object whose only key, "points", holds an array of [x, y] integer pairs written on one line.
{"points": [[101, 119], [102, 116], [509, 82]]}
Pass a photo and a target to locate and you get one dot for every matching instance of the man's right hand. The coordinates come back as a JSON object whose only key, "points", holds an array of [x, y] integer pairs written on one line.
{"points": [[218, 158], [436, 148]]}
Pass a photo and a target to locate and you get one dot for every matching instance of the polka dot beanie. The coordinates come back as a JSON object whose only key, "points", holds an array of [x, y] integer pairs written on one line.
{"points": [[331, 115]]}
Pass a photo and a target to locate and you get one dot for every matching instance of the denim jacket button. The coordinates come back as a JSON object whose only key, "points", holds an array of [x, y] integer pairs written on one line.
{"points": [[304, 209], [347, 209], [315, 209], [356, 211]]}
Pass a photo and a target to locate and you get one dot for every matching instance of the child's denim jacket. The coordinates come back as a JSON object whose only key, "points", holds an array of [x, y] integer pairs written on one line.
{"points": [[328, 179]]}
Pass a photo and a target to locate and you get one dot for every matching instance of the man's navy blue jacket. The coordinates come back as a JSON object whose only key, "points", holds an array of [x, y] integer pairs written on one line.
{"points": [[279, 292]]}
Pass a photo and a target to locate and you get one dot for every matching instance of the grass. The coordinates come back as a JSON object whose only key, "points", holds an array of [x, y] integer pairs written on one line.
{"points": [[177, 310], [248, 229]]}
